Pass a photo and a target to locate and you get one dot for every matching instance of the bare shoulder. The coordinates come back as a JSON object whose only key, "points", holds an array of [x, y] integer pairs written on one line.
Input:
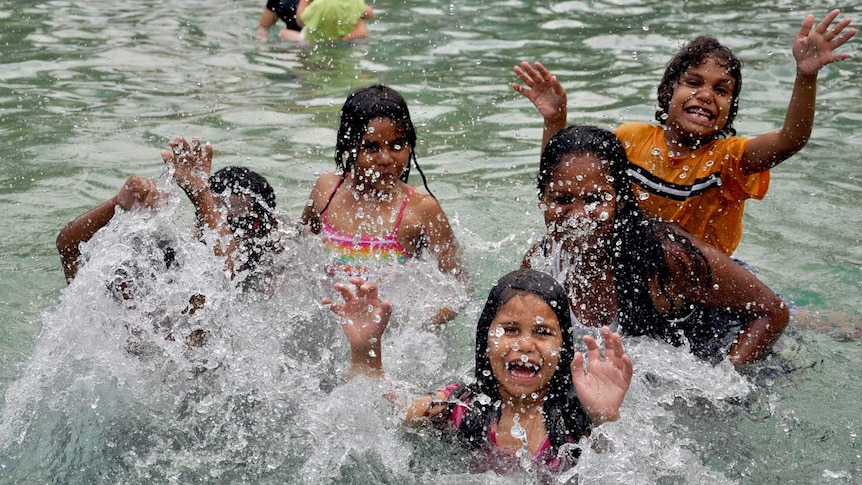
{"points": [[424, 208]]}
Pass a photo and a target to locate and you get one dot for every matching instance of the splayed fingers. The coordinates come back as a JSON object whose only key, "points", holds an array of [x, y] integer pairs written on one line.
{"points": [[602, 384]]}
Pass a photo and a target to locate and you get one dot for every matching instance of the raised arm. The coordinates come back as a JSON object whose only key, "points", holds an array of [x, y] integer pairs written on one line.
{"points": [[192, 164], [602, 384], [736, 290], [136, 192], [813, 49], [364, 317], [546, 94]]}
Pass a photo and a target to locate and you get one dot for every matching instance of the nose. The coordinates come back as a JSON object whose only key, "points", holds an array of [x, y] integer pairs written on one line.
{"points": [[703, 94]]}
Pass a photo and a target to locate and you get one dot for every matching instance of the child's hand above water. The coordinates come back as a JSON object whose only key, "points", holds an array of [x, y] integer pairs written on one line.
{"points": [[364, 317], [602, 386], [815, 48]]}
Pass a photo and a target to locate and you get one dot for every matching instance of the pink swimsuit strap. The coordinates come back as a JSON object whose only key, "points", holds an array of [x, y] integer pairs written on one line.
{"points": [[389, 241]]}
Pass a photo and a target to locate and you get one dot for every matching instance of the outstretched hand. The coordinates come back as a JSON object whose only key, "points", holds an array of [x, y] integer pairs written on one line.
{"points": [[364, 317], [542, 89], [814, 48], [602, 386], [192, 164]]}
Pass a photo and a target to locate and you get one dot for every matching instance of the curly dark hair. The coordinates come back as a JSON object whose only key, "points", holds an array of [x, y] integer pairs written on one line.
{"points": [[694, 54]]}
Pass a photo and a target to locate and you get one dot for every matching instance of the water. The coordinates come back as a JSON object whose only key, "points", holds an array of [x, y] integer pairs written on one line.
{"points": [[92, 90]]}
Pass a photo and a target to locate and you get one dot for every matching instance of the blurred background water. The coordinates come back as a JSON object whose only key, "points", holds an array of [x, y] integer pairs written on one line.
{"points": [[90, 91]]}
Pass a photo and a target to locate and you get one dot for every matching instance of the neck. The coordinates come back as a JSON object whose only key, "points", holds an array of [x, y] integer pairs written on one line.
{"points": [[679, 144]]}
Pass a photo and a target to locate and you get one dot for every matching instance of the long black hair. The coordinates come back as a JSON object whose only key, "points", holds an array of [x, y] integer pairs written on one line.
{"points": [[364, 105], [565, 420], [694, 54], [641, 247]]}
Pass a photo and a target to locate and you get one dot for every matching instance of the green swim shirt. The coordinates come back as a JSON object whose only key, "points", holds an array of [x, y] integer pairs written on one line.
{"points": [[329, 20]]}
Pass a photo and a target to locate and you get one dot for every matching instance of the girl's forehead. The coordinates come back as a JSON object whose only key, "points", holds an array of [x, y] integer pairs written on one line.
{"points": [[527, 306]]}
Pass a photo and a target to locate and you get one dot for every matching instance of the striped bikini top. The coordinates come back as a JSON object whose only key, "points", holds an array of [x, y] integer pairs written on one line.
{"points": [[358, 255]]}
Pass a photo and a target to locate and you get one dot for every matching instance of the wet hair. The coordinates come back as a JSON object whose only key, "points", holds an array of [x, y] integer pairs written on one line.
{"points": [[242, 181], [694, 54], [641, 247], [565, 419], [364, 105]]}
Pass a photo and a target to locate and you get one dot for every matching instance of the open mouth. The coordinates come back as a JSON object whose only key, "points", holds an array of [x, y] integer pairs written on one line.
{"points": [[522, 370], [700, 114]]}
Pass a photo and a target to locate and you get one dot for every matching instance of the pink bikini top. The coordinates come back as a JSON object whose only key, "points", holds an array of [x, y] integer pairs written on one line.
{"points": [[357, 255]]}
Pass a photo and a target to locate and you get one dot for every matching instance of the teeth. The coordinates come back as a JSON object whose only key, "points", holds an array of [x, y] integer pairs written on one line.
{"points": [[526, 365]]}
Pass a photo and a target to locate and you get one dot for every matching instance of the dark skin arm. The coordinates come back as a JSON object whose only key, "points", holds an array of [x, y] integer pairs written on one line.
{"points": [[136, 192], [735, 289]]}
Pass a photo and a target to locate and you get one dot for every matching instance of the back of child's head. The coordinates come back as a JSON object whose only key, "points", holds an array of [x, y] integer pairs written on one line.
{"points": [[243, 181], [692, 55], [364, 105]]}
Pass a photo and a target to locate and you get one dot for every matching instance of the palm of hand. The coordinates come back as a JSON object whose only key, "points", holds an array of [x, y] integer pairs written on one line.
{"points": [[602, 389], [547, 97], [364, 315], [815, 47], [192, 164]]}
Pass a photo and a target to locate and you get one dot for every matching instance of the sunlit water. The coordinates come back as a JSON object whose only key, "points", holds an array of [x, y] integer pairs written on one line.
{"points": [[92, 390]]}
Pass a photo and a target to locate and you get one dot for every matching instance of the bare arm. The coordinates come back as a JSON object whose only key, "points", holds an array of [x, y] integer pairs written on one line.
{"points": [[317, 200], [813, 49], [192, 165], [268, 18], [735, 289], [440, 241], [546, 94], [135, 192]]}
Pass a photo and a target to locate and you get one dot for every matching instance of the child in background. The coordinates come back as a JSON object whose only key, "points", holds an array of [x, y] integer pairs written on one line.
{"points": [[275, 10], [622, 268], [692, 170], [319, 21], [533, 394], [366, 213]]}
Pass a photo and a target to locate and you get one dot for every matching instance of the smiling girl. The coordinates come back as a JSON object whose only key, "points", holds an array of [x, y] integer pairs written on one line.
{"points": [[691, 169], [366, 213], [622, 268], [532, 393]]}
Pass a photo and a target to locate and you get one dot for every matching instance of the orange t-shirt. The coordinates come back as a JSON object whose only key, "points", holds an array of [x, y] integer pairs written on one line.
{"points": [[703, 192]]}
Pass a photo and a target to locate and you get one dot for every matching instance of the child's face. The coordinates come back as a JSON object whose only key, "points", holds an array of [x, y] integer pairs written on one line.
{"points": [[579, 202], [383, 154], [701, 101], [524, 343]]}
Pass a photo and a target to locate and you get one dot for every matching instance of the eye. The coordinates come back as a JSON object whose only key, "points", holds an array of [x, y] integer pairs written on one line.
{"points": [[399, 145], [594, 199], [369, 146], [563, 199], [544, 331], [691, 82]]}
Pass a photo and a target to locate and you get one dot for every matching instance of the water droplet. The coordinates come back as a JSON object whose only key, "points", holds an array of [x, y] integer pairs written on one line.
{"points": [[645, 27]]}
